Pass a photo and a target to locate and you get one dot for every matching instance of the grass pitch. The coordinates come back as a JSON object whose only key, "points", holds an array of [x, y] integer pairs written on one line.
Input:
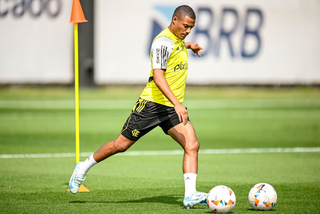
{"points": [[41, 121]]}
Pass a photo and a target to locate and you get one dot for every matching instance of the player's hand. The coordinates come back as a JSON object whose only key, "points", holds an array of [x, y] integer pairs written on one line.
{"points": [[182, 113], [195, 47]]}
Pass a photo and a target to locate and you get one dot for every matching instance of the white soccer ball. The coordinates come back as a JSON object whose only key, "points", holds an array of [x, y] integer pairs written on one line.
{"points": [[262, 196], [221, 199]]}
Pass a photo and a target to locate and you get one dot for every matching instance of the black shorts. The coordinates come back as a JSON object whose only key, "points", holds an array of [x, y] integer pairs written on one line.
{"points": [[145, 116]]}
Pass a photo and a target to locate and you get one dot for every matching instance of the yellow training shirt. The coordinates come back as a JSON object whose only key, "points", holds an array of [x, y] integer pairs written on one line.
{"points": [[169, 53]]}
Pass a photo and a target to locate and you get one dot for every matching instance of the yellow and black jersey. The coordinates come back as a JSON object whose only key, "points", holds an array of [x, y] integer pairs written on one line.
{"points": [[169, 53]]}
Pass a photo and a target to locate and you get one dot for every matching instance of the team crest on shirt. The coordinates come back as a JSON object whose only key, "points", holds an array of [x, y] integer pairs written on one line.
{"points": [[181, 47]]}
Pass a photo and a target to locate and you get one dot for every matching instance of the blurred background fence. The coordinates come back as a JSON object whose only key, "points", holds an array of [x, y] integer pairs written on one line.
{"points": [[245, 42]]}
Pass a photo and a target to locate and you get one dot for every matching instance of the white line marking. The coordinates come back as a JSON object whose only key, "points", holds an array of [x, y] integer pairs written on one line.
{"points": [[171, 152]]}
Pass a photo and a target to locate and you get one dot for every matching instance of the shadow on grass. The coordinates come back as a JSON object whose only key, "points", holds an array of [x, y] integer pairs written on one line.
{"points": [[212, 212], [253, 210], [156, 199]]}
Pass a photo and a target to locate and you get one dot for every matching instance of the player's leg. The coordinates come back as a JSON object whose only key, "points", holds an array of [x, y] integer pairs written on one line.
{"points": [[140, 122], [120, 144], [186, 137]]}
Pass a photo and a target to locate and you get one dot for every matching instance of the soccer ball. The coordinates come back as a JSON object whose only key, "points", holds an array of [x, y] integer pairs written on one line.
{"points": [[221, 199], [262, 196]]}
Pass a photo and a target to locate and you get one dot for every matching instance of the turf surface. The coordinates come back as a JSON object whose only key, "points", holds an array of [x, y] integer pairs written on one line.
{"points": [[41, 121]]}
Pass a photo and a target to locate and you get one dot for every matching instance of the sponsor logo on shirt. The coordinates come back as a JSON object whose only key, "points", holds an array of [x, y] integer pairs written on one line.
{"points": [[181, 66], [158, 55]]}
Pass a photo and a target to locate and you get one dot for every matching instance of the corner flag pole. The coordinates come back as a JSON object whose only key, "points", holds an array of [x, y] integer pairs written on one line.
{"points": [[77, 16], [76, 91]]}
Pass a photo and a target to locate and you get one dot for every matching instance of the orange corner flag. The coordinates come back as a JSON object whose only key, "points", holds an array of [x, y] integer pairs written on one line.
{"points": [[77, 15]]}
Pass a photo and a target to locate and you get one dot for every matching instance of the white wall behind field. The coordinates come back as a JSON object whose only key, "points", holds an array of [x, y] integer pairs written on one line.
{"points": [[36, 42], [244, 41]]}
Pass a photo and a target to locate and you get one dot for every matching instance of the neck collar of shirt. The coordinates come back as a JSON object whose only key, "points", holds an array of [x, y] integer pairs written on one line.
{"points": [[173, 36]]}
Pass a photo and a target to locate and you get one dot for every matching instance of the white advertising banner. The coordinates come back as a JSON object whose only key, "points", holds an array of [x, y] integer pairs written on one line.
{"points": [[244, 41], [36, 41]]}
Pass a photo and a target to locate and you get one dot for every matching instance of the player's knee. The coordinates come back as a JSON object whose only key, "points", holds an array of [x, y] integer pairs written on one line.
{"points": [[193, 146], [121, 147]]}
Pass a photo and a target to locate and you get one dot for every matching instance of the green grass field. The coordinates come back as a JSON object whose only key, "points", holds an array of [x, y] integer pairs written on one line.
{"points": [[41, 121]]}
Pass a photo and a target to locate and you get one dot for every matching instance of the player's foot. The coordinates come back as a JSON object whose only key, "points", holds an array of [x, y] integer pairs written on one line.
{"points": [[196, 198], [76, 179]]}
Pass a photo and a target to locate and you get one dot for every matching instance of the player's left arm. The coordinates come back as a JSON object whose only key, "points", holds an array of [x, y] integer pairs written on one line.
{"points": [[195, 47]]}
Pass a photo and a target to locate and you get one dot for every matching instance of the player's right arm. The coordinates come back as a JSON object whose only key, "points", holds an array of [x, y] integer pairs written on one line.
{"points": [[161, 50], [161, 82]]}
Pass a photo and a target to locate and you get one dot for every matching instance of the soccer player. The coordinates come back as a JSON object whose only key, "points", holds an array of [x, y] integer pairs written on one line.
{"points": [[160, 104]]}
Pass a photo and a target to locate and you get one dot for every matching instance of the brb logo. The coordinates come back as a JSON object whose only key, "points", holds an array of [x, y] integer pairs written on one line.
{"points": [[237, 30], [35, 8]]}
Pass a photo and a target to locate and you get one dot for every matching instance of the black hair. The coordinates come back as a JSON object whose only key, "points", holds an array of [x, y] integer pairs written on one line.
{"points": [[183, 11]]}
